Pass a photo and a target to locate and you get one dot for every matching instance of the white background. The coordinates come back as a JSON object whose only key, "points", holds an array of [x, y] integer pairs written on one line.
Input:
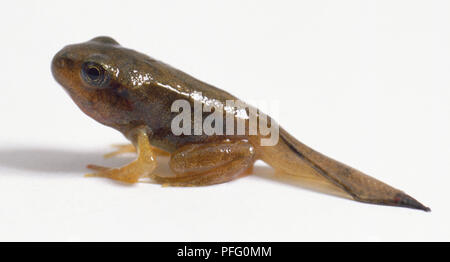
{"points": [[365, 82]]}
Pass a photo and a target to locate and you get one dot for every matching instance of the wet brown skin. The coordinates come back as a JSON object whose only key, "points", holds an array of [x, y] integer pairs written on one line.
{"points": [[139, 91]]}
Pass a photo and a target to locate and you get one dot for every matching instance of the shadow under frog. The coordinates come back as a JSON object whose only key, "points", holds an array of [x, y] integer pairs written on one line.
{"points": [[54, 162]]}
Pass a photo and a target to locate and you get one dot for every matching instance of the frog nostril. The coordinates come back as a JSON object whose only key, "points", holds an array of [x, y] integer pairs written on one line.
{"points": [[63, 62], [60, 62]]}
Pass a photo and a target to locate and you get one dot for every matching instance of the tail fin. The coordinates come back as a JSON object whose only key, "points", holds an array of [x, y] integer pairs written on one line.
{"points": [[295, 158]]}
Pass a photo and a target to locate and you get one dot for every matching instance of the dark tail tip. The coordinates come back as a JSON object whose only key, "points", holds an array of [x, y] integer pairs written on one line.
{"points": [[405, 200]]}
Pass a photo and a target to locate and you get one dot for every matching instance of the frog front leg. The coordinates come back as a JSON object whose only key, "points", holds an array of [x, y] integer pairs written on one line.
{"points": [[209, 163], [120, 150], [130, 148], [143, 166]]}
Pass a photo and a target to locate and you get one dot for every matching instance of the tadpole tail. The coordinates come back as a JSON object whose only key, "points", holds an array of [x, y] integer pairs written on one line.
{"points": [[405, 200], [297, 159]]}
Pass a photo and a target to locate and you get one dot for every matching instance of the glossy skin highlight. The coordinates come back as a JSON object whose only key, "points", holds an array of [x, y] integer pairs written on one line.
{"points": [[133, 93]]}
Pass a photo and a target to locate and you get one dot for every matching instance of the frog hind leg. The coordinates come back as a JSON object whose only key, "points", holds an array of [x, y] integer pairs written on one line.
{"points": [[210, 163], [143, 166]]}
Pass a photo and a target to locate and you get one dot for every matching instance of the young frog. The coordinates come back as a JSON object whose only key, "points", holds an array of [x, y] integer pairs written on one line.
{"points": [[134, 94]]}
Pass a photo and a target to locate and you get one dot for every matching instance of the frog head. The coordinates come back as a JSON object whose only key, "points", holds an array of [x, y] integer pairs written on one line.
{"points": [[96, 76]]}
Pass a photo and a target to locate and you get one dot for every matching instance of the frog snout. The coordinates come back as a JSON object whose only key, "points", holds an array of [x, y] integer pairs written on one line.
{"points": [[62, 64]]}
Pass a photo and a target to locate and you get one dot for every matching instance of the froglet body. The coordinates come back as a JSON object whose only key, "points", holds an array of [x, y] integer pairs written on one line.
{"points": [[134, 94]]}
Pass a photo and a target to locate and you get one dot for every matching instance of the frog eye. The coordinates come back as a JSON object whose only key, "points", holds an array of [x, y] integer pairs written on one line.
{"points": [[94, 74]]}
